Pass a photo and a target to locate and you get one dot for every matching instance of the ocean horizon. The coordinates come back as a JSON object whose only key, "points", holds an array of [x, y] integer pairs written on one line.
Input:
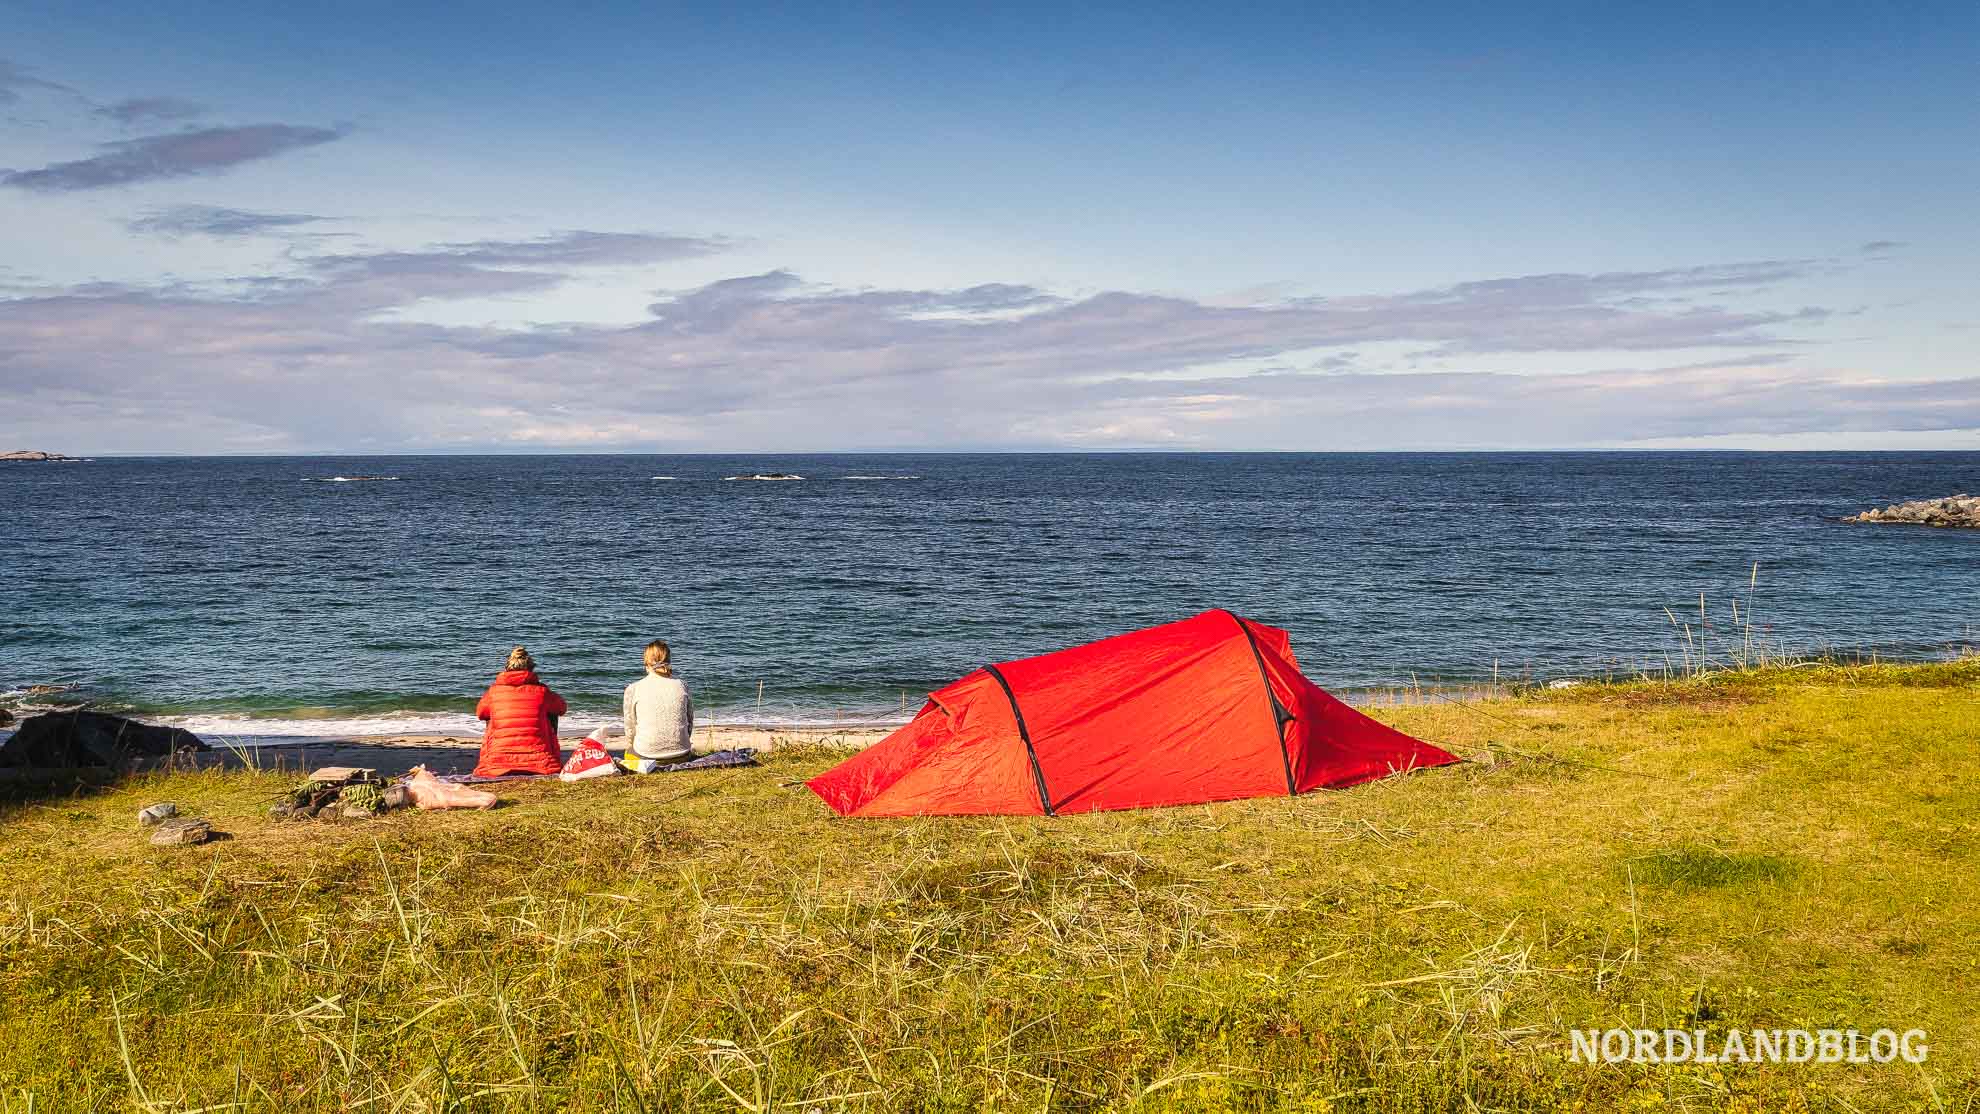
{"points": [[267, 596]]}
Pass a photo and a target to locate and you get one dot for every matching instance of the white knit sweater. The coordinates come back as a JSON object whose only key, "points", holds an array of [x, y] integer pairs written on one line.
{"points": [[659, 718]]}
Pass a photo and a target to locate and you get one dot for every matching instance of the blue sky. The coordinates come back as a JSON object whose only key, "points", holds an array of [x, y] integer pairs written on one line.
{"points": [[607, 227]]}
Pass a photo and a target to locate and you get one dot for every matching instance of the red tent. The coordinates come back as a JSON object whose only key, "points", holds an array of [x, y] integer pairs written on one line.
{"points": [[1208, 709]]}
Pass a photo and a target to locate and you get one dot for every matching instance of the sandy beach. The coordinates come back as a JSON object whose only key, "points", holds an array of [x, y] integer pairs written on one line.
{"points": [[445, 754]]}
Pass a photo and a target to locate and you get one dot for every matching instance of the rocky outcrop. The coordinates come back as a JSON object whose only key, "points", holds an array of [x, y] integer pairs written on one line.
{"points": [[33, 456], [1954, 510], [78, 739]]}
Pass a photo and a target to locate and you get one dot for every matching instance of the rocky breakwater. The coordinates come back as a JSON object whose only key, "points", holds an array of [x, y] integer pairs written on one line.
{"points": [[1953, 510]]}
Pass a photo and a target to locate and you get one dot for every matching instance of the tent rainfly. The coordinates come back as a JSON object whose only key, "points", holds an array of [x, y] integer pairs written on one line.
{"points": [[1212, 708]]}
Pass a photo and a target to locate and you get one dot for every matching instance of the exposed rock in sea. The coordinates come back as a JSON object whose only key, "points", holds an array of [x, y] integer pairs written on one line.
{"points": [[6, 717], [1953, 510], [33, 455], [71, 739]]}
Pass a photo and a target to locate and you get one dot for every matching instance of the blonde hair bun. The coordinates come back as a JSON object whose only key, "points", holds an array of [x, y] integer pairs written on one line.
{"points": [[659, 659], [519, 659]]}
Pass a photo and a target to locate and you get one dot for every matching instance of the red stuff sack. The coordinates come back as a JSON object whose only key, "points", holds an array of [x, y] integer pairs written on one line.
{"points": [[589, 760]]}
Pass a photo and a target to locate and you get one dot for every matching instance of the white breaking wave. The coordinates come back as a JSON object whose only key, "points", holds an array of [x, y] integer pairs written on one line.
{"points": [[216, 728], [219, 729], [346, 479], [663, 477], [771, 477], [882, 477]]}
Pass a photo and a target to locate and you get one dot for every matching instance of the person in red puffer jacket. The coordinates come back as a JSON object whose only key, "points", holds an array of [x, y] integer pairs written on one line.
{"points": [[522, 722]]}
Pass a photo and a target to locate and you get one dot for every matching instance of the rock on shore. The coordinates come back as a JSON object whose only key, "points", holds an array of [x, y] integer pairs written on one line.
{"points": [[77, 738], [1953, 510]]}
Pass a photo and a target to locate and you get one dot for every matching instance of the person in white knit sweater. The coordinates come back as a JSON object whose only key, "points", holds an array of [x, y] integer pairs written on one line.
{"points": [[659, 715]]}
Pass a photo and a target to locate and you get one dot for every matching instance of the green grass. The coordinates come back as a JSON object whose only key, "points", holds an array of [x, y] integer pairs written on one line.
{"points": [[1776, 848]]}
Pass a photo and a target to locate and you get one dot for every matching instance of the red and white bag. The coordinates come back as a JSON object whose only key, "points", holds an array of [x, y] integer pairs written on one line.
{"points": [[589, 760]]}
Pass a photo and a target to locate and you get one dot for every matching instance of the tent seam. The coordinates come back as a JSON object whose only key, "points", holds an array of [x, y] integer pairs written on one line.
{"points": [[1024, 733], [1281, 715]]}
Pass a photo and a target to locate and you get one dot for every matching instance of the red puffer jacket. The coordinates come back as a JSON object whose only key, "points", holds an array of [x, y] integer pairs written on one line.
{"points": [[519, 740]]}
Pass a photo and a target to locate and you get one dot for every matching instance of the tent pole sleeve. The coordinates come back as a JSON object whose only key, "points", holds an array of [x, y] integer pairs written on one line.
{"points": [[1280, 716], [1037, 771]]}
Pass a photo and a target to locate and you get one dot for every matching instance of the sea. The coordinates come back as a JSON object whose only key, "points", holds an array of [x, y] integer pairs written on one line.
{"points": [[266, 597]]}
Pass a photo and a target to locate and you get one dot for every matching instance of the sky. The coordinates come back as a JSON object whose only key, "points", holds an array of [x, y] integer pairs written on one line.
{"points": [[755, 228]]}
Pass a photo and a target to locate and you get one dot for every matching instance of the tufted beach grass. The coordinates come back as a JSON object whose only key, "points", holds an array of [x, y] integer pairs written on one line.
{"points": [[1769, 848]]}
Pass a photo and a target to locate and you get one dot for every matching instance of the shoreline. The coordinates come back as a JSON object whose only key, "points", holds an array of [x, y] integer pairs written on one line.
{"points": [[392, 755], [442, 733], [567, 735], [228, 728]]}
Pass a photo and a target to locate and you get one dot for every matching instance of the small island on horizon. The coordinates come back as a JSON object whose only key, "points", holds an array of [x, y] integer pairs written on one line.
{"points": [[37, 456]]}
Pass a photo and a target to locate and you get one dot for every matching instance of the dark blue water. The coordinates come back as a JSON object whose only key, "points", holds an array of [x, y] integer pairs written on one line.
{"points": [[201, 586]]}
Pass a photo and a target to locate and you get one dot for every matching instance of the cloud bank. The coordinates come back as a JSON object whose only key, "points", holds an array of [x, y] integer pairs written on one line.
{"points": [[319, 359]]}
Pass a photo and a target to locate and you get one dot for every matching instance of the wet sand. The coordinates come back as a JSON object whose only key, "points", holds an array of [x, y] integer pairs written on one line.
{"points": [[456, 754]]}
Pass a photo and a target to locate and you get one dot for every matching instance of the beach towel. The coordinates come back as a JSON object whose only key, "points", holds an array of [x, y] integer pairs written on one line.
{"points": [[739, 756]]}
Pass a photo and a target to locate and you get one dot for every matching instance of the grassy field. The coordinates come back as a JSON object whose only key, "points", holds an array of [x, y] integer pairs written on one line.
{"points": [[1795, 848]]}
